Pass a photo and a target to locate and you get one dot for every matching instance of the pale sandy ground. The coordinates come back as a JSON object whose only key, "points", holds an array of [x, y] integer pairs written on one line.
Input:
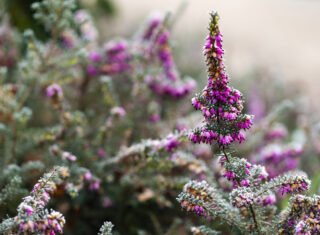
{"points": [[283, 35]]}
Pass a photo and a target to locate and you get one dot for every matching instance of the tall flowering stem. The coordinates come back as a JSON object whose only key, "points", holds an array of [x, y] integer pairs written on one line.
{"points": [[251, 201], [220, 104]]}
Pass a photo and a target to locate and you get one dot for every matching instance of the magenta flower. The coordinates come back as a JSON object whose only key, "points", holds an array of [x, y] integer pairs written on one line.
{"points": [[68, 156], [245, 182], [154, 118], [297, 186], [54, 90], [269, 200], [94, 186], [91, 70], [28, 209], [279, 159], [88, 176], [171, 142], [95, 57], [81, 16], [277, 131], [101, 153], [119, 111], [106, 202]]}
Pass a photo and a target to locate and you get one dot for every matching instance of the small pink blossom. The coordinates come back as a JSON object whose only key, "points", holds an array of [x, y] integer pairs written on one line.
{"points": [[101, 153], [54, 90]]}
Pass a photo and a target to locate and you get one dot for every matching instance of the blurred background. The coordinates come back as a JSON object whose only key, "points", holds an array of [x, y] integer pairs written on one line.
{"points": [[279, 36]]}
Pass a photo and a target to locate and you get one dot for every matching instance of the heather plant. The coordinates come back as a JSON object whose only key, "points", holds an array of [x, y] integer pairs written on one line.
{"points": [[63, 103], [104, 124], [250, 206]]}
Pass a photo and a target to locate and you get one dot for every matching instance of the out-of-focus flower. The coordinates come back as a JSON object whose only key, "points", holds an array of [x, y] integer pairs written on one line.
{"points": [[118, 111], [54, 90], [101, 153]]}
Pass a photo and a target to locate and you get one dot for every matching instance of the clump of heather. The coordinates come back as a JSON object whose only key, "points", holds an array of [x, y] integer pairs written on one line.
{"points": [[250, 207], [32, 216], [154, 44], [279, 158], [104, 123], [115, 59], [77, 101]]}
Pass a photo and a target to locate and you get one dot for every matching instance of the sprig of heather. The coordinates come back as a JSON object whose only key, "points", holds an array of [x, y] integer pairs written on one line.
{"points": [[155, 46], [293, 182], [149, 148], [300, 217], [206, 201], [115, 59], [250, 207], [220, 104], [32, 216]]}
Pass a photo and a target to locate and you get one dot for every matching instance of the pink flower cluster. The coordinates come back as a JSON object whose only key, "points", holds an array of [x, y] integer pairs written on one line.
{"points": [[242, 199], [94, 183], [276, 132], [198, 191], [304, 216], [296, 185], [280, 159], [245, 198], [221, 105], [115, 59], [171, 143], [241, 175], [162, 86], [266, 199], [68, 156], [51, 224], [158, 50], [118, 111]]}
